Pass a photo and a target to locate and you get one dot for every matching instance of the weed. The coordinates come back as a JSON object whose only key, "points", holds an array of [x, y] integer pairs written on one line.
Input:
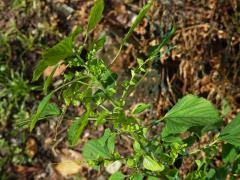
{"points": [[95, 86]]}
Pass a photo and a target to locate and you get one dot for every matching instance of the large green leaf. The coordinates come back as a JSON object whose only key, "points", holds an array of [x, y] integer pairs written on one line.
{"points": [[231, 133], [95, 15], [190, 111], [151, 164], [41, 107], [100, 148]]}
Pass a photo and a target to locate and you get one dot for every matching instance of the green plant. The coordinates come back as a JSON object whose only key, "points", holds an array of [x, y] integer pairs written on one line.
{"points": [[97, 88]]}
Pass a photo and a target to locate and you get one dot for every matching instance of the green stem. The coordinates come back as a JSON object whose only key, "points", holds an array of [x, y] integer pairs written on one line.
{"points": [[71, 82], [204, 147]]}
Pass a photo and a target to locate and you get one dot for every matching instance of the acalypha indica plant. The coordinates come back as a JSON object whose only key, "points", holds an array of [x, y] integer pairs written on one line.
{"points": [[157, 155]]}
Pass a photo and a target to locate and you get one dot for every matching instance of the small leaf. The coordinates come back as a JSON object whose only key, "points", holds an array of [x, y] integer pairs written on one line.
{"points": [[41, 107], [50, 110], [137, 147], [226, 108], [95, 15], [138, 19], [98, 44], [140, 108], [211, 173], [163, 42], [117, 176], [41, 66], [151, 164], [229, 153], [231, 133], [136, 176], [75, 33], [77, 128], [190, 111], [49, 79]]}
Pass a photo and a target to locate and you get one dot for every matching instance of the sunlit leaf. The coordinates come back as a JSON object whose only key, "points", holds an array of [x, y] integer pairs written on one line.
{"points": [[151, 164], [190, 111]]}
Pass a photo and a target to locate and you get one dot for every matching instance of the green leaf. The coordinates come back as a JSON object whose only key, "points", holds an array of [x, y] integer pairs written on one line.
{"points": [[151, 164], [111, 144], [137, 147], [98, 44], [226, 108], [60, 51], [136, 176], [95, 15], [102, 148], [93, 150], [117, 176], [190, 111], [49, 79], [138, 19], [152, 178], [140, 108], [171, 139], [163, 42], [50, 110], [41, 66], [75, 33], [41, 107], [229, 153], [231, 133], [77, 128], [211, 173]]}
